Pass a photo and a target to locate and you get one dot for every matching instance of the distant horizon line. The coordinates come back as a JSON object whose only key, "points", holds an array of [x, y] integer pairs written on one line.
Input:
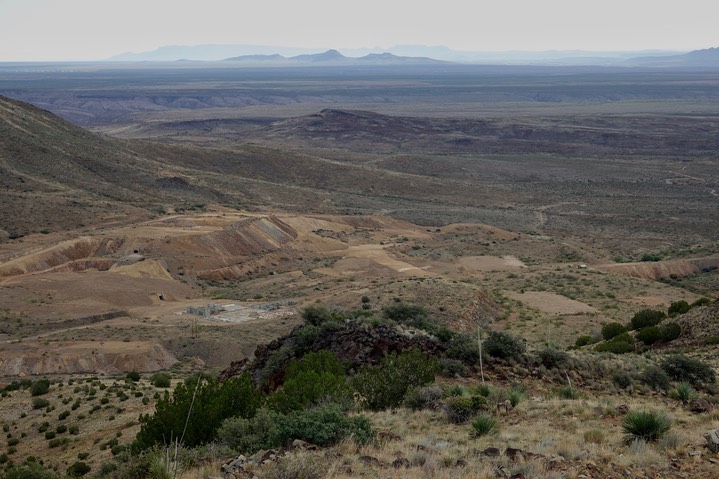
{"points": [[214, 52]]}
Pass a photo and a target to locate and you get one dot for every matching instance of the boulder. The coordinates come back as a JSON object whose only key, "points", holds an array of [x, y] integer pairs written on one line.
{"points": [[712, 438]]}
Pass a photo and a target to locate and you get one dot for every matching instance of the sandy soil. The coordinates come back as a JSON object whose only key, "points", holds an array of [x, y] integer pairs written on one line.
{"points": [[551, 302]]}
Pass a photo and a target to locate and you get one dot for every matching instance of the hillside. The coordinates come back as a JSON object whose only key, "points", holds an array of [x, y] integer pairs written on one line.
{"points": [[54, 175], [58, 176]]}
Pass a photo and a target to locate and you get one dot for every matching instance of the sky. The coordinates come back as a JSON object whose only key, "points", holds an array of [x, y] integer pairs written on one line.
{"points": [[37, 30]]}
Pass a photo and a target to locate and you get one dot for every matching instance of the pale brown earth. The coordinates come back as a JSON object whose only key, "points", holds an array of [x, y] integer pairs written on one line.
{"points": [[663, 269], [112, 298], [551, 303]]}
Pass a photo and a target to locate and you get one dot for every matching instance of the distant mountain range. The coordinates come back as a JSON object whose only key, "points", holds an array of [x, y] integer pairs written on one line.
{"points": [[333, 57], [417, 54], [708, 57]]}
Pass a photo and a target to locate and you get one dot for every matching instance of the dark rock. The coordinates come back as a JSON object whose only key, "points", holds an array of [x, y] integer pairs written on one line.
{"points": [[491, 452], [622, 409], [358, 344], [400, 462], [460, 463], [699, 405], [369, 460], [514, 454], [388, 436], [555, 462]]}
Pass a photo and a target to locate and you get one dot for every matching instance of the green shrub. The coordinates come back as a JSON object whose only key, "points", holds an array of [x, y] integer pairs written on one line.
{"points": [[568, 392], [584, 341], [483, 424], [646, 425], [678, 307], [61, 428], [50, 434], [612, 330], [385, 385], [117, 449], [452, 368], [78, 469], [323, 426], [319, 362], [683, 392], [13, 441], [40, 387], [160, 380], [248, 435], [426, 397], [649, 335], [309, 388], [407, 314], [684, 368], [500, 344], [30, 470], [133, 376], [621, 344], [53, 443], [621, 379], [669, 331], [483, 390], [552, 358], [453, 391], [655, 378], [316, 315], [459, 409], [316, 378], [651, 257], [213, 403], [463, 347], [193, 378], [39, 403], [646, 318], [515, 395], [701, 302]]}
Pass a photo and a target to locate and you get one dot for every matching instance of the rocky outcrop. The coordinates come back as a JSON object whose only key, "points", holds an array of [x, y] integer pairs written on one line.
{"points": [[109, 358], [663, 269], [358, 344]]}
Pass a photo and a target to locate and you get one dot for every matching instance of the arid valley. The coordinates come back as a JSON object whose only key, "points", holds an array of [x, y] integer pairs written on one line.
{"points": [[188, 221]]}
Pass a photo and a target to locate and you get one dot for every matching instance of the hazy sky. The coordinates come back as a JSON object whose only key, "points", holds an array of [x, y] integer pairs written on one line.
{"points": [[98, 29]]}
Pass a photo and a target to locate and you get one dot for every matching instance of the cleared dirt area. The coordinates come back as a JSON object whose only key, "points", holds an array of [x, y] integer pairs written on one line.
{"points": [[492, 263], [551, 303]]}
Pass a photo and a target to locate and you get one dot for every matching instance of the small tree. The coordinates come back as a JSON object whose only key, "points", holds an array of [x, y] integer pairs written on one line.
{"points": [[386, 385], [684, 368], [678, 307], [193, 414], [503, 345], [646, 318], [316, 315], [40, 387], [612, 330]]}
